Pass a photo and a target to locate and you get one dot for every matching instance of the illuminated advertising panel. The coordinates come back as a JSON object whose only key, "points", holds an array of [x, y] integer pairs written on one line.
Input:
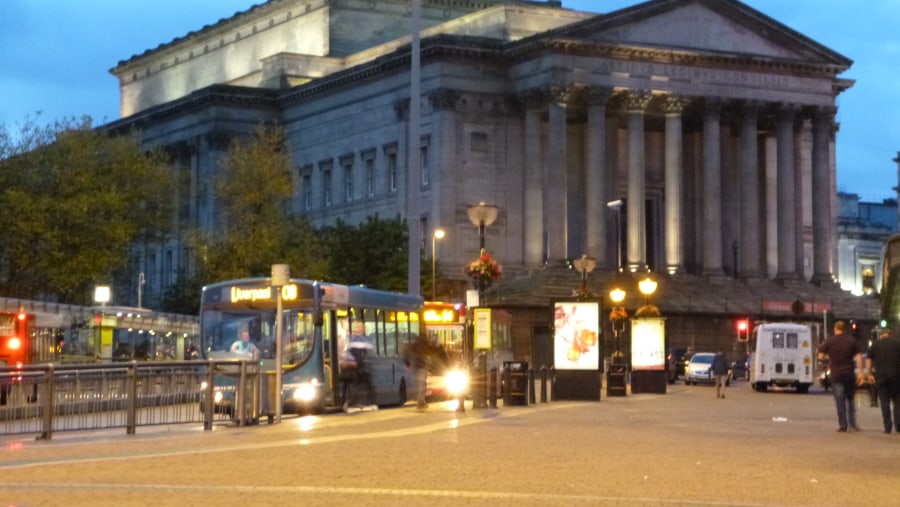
{"points": [[482, 323], [576, 335], [648, 344]]}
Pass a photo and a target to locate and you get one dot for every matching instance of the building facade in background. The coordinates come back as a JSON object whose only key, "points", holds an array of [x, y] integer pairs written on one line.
{"points": [[711, 122]]}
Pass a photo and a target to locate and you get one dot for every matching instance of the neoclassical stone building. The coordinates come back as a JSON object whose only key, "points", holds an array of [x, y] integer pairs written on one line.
{"points": [[713, 123]]}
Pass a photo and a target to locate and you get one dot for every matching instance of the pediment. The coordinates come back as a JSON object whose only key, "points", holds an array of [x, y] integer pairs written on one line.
{"points": [[726, 27]]}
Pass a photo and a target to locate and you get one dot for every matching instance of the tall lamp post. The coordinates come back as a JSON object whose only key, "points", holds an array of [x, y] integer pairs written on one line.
{"points": [[585, 265], [617, 295], [617, 206], [438, 234]]}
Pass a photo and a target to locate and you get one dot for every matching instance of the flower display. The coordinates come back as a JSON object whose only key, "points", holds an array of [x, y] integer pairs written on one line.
{"points": [[583, 293], [618, 314], [647, 310], [483, 271]]}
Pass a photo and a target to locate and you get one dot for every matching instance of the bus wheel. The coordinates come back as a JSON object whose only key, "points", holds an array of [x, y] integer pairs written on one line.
{"points": [[762, 387]]}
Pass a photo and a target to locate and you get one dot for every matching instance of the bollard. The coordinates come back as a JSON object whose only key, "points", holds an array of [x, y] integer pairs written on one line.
{"points": [[552, 382], [492, 387], [531, 386], [544, 384]]}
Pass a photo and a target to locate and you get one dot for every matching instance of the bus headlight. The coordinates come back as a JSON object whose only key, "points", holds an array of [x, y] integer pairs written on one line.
{"points": [[307, 391], [457, 382], [217, 397]]}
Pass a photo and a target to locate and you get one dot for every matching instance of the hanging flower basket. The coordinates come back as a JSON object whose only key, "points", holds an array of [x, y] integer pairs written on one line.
{"points": [[647, 310], [618, 314], [483, 271]]}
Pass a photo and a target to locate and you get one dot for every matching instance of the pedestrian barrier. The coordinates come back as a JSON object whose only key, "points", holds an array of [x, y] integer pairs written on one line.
{"points": [[44, 399]]}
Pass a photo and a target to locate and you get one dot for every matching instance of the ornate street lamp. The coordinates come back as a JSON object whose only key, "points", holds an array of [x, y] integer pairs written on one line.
{"points": [[584, 265], [438, 234], [617, 317], [647, 286], [482, 215]]}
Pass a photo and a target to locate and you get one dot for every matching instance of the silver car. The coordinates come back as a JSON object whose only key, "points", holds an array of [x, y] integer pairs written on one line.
{"points": [[699, 369]]}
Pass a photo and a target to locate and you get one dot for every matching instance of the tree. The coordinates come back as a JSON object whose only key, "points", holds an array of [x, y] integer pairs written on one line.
{"points": [[257, 229], [76, 199], [373, 254]]}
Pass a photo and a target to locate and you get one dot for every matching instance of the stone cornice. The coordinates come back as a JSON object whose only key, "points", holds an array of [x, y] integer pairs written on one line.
{"points": [[525, 49]]}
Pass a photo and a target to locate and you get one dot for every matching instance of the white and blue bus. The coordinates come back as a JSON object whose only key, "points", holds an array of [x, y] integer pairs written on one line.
{"points": [[317, 319]]}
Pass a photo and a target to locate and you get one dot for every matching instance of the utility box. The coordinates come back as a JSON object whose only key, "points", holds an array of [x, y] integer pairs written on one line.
{"points": [[516, 385]]}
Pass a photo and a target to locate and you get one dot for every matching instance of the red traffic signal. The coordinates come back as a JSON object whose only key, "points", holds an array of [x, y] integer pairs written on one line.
{"points": [[743, 330], [742, 325]]}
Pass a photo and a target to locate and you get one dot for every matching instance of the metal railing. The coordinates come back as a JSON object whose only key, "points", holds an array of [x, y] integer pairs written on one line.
{"points": [[43, 399]]}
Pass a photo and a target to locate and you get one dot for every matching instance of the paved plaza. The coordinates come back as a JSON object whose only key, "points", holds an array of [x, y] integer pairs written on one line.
{"points": [[683, 448]]}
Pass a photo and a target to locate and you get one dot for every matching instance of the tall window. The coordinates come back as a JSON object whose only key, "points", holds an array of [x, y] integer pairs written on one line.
{"points": [[307, 192], [426, 175], [370, 175], [391, 154], [347, 165], [326, 183]]}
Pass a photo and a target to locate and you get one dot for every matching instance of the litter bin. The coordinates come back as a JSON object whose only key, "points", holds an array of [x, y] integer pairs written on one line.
{"points": [[515, 389], [615, 380]]}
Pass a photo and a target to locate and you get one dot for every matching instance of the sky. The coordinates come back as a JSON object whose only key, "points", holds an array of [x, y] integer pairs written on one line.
{"points": [[55, 57]]}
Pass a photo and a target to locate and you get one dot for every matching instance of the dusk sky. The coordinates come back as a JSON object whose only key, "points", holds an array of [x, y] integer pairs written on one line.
{"points": [[55, 57]]}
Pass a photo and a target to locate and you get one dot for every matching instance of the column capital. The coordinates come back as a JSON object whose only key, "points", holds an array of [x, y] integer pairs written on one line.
{"points": [[674, 103], [637, 100], [561, 92], [751, 107], [786, 112], [713, 106]]}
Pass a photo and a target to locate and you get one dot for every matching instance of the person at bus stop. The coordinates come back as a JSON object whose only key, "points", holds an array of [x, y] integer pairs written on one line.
{"points": [[720, 372], [845, 363], [355, 370], [883, 367]]}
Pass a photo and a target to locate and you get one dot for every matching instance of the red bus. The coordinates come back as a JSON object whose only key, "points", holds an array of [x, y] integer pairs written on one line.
{"points": [[15, 334]]}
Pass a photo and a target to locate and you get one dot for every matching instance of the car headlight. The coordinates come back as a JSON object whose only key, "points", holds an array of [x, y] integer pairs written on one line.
{"points": [[457, 382], [307, 391]]}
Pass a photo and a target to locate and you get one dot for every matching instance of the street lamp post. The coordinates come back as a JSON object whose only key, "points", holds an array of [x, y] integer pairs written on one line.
{"points": [[617, 295], [438, 234], [584, 265], [617, 205], [482, 215]]}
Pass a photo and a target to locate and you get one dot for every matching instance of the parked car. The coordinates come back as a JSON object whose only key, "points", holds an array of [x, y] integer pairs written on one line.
{"points": [[677, 360], [699, 369]]}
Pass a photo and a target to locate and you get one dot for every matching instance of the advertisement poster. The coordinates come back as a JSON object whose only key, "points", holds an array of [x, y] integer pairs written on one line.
{"points": [[482, 322], [576, 336], [648, 344]]}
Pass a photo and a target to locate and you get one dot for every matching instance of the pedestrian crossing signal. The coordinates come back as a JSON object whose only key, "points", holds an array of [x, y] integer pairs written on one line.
{"points": [[743, 330]]}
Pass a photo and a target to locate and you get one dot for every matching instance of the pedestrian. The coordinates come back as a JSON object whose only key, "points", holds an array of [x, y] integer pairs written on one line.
{"points": [[720, 372], [845, 363], [883, 365]]}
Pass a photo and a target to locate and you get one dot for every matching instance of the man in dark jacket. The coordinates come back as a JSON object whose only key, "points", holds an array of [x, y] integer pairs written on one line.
{"points": [[883, 365], [720, 372], [845, 362]]}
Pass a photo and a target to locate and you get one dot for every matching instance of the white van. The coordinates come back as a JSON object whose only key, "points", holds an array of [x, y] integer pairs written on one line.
{"points": [[781, 354]]}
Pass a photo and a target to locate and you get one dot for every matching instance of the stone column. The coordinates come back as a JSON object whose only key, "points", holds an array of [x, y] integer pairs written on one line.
{"points": [[750, 240], [673, 106], [636, 239], [596, 192], [787, 234], [821, 196], [712, 189], [534, 181], [555, 181]]}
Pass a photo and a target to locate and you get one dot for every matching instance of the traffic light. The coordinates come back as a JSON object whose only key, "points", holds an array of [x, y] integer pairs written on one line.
{"points": [[743, 330]]}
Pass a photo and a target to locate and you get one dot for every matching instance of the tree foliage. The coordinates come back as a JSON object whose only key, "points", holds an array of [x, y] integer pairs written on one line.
{"points": [[373, 254], [75, 199]]}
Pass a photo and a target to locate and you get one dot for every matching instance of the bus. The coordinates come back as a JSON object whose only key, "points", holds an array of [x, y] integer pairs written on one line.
{"points": [[782, 355], [61, 333], [317, 319], [15, 328]]}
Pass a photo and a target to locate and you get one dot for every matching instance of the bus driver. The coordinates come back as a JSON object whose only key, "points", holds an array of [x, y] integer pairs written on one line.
{"points": [[245, 346]]}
